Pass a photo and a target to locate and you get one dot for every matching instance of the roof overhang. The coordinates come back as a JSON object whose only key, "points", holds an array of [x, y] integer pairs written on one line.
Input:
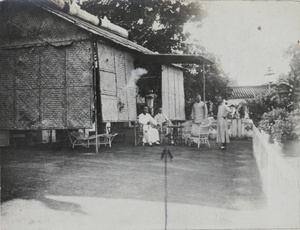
{"points": [[145, 56], [173, 59], [96, 30]]}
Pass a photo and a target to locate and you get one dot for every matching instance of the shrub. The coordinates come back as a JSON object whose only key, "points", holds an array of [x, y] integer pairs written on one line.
{"points": [[281, 125]]}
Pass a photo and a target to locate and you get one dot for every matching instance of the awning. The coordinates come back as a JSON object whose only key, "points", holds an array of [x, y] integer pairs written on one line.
{"points": [[173, 59]]}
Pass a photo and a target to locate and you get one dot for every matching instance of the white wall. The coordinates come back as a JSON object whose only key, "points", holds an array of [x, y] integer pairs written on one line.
{"points": [[280, 181]]}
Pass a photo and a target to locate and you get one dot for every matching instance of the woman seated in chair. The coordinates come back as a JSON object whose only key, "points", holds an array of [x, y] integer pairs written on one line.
{"points": [[151, 134]]}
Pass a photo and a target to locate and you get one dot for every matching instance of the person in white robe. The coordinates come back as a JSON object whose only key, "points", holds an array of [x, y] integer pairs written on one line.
{"points": [[222, 126], [149, 124], [199, 110]]}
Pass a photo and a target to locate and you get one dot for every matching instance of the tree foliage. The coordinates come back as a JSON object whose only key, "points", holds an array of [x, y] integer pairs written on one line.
{"points": [[158, 25], [154, 24], [262, 104], [288, 87], [216, 81], [284, 94]]}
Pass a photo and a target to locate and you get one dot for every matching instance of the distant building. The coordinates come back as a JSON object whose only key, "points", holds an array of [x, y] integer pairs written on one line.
{"points": [[242, 93]]}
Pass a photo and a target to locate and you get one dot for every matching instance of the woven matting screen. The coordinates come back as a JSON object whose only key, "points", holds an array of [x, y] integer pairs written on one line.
{"points": [[34, 90], [52, 67], [7, 76], [28, 24], [7, 93], [53, 108], [79, 107], [79, 83], [27, 108], [27, 69], [6, 108], [79, 64], [27, 88]]}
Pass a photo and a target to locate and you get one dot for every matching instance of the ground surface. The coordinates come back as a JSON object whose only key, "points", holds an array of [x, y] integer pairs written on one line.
{"points": [[123, 187]]}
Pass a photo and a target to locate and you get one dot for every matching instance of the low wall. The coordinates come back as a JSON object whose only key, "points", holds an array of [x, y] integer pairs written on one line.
{"points": [[237, 128], [280, 176]]}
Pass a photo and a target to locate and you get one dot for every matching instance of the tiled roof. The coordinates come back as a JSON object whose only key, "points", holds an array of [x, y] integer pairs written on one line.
{"points": [[243, 92]]}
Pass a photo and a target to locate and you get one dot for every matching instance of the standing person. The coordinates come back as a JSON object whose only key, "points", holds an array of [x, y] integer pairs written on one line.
{"points": [[199, 110], [222, 127], [149, 127]]}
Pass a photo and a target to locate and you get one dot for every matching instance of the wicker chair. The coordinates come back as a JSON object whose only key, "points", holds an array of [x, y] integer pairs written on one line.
{"points": [[82, 139], [186, 131], [138, 133], [199, 133], [78, 139]]}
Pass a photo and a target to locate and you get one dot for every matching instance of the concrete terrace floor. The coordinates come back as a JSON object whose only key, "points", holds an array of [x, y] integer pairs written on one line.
{"points": [[123, 188]]}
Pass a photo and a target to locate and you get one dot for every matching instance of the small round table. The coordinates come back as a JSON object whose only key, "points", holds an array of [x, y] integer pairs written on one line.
{"points": [[176, 134]]}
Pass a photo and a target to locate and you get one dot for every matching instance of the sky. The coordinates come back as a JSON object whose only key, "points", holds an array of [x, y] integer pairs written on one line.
{"points": [[249, 37]]}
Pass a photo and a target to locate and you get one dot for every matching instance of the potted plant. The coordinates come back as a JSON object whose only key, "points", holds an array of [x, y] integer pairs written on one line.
{"points": [[283, 130]]}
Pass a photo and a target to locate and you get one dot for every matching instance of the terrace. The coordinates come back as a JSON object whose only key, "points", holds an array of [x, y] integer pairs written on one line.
{"points": [[123, 187]]}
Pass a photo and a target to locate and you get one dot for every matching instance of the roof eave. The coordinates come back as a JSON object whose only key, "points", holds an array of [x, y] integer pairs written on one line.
{"points": [[155, 58], [100, 32]]}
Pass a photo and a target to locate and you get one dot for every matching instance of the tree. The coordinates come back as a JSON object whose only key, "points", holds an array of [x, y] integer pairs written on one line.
{"points": [[288, 86], [262, 104], [158, 25], [216, 84], [154, 24], [284, 93]]}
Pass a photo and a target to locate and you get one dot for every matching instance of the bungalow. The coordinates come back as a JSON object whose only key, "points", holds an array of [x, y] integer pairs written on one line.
{"points": [[61, 66]]}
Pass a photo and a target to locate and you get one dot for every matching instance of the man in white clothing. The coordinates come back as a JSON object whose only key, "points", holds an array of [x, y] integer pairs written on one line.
{"points": [[199, 111], [222, 126], [151, 134], [161, 118]]}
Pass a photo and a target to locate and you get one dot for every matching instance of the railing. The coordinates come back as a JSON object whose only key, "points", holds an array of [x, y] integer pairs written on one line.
{"points": [[237, 128], [280, 181]]}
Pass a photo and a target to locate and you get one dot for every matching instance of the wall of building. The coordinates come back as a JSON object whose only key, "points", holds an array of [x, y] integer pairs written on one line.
{"points": [[118, 90], [46, 70]]}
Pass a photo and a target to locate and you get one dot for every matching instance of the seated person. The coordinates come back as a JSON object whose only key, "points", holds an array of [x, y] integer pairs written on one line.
{"points": [[163, 121], [149, 127]]}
